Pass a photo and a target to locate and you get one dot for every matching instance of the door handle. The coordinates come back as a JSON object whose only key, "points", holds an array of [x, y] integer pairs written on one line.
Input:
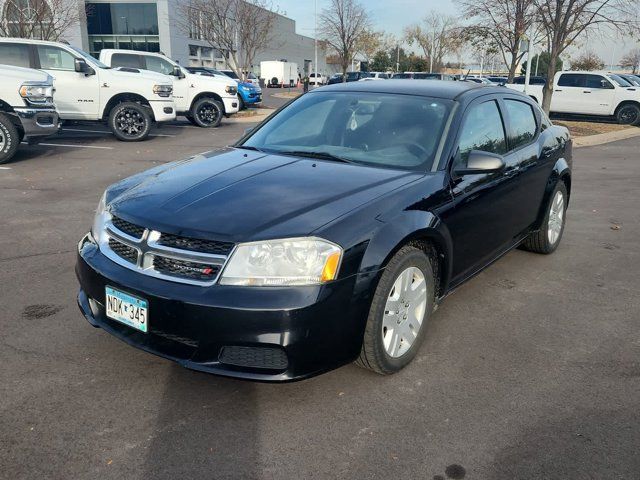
{"points": [[586, 91], [558, 90]]}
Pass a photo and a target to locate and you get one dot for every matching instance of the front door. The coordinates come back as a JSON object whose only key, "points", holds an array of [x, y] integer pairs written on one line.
{"points": [[77, 95], [181, 86], [598, 95], [486, 214]]}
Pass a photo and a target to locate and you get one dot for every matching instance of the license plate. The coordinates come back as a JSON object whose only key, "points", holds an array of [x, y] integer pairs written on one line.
{"points": [[127, 309]]}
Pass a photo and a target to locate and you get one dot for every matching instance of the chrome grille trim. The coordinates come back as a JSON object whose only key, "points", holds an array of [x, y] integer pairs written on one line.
{"points": [[148, 249]]}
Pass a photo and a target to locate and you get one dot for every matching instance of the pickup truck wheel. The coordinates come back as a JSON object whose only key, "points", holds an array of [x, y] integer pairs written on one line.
{"points": [[547, 239], [9, 139], [241, 104], [401, 306], [628, 114], [130, 122], [207, 112]]}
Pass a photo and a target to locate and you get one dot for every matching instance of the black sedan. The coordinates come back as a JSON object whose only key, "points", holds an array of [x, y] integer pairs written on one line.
{"points": [[329, 233]]}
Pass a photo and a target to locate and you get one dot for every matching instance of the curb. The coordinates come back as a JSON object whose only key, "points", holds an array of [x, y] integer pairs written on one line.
{"points": [[250, 119], [602, 138]]}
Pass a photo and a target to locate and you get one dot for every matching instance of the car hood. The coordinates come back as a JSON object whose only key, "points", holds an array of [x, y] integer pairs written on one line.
{"points": [[204, 80], [239, 195]]}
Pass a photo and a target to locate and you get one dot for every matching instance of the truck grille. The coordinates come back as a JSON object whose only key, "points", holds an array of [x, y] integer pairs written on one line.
{"points": [[130, 254], [129, 228], [161, 255], [195, 244]]}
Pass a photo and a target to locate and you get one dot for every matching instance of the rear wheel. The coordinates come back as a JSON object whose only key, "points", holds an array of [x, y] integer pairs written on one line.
{"points": [[207, 112], [401, 306], [628, 114], [9, 139], [130, 122], [547, 239]]}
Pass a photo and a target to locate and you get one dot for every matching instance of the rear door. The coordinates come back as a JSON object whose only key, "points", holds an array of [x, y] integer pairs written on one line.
{"points": [[77, 95], [567, 94]]}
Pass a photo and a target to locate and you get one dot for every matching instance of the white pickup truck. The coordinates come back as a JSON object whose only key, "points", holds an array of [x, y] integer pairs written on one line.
{"points": [[27, 111], [591, 93], [130, 101], [203, 100]]}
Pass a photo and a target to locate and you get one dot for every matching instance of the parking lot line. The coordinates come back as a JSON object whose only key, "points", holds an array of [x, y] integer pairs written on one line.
{"points": [[73, 146], [109, 133], [5, 168]]}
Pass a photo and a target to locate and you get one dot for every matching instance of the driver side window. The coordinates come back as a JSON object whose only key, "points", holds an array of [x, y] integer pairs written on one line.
{"points": [[482, 129], [156, 64], [54, 58]]}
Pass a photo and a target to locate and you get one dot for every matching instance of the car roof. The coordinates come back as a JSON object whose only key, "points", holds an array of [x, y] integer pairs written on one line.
{"points": [[426, 88], [33, 42]]}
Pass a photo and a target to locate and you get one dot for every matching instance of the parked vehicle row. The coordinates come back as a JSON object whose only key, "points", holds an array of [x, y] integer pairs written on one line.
{"points": [[249, 93], [591, 93]]}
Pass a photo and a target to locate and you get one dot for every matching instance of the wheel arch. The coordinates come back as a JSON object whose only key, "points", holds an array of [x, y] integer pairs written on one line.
{"points": [[626, 102], [126, 97], [561, 173], [5, 107], [213, 95]]}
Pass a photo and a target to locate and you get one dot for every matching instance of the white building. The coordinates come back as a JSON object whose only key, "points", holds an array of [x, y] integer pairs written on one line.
{"points": [[151, 25]]}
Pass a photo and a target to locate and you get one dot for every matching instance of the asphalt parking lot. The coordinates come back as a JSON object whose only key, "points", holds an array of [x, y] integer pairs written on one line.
{"points": [[530, 370]]}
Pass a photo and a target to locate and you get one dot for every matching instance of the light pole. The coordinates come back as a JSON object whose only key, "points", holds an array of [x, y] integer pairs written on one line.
{"points": [[315, 63]]}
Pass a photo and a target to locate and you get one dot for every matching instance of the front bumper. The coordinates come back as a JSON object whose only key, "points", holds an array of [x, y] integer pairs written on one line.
{"points": [[38, 122], [163, 110], [230, 105], [251, 97], [265, 334]]}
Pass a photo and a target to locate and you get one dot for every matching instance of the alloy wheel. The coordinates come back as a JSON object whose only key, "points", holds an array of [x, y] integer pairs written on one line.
{"points": [[404, 312], [556, 218], [130, 122], [207, 113], [629, 115], [3, 140]]}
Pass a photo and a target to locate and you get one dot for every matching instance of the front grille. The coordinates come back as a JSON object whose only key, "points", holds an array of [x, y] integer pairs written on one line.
{"points": [[254, 357], [185, 269], [129, 228], [124, 251], [195, 244]]}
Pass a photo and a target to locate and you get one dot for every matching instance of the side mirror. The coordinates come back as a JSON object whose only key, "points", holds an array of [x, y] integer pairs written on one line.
{"points": [[605, 84], [177, 72], [81, 66], [481, 163]]}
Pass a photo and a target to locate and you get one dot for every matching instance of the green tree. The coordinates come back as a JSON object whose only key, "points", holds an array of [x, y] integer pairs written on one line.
{"points": [[542, 61]]}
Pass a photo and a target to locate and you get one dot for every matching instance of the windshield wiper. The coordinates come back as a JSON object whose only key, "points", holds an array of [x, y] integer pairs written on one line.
{"points": [[249, 147], [318, 155]]}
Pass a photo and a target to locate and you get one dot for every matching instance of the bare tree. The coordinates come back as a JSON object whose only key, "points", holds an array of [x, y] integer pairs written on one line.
{"points": [[342, 24], [631, 60], [437, 36], [241, 28], [369, 43], [564, 21], [505, 22], [40, 19], [587, 61]]}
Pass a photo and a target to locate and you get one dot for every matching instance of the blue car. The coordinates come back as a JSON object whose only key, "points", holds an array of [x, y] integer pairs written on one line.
{"points": [[248, 93]]}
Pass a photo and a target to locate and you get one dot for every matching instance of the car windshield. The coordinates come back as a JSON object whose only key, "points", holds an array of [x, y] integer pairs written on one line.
{"points": [[387, 130], [621, 82], [231, 73], [89, 58]]}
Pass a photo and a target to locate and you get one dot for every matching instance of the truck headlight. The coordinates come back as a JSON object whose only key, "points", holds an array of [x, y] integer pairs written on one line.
{"points": [[37, 92], [291, 261], [100, 220], [163, 90], [231, 90]]}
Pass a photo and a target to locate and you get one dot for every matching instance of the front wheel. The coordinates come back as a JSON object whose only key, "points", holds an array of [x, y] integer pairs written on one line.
{"points": [[241, 104], [628, 114], [547, 239], [9, 139], [402, 304], [207, 113], [130, 122]]}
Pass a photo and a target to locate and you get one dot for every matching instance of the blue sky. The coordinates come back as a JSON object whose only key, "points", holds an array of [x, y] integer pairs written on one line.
{"points": [[393, 15]]}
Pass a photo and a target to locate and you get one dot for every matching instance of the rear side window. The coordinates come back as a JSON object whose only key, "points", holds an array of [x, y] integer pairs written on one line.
{"points": [[126, 60], [571, 80], [482, 130], [15, 54], [54, 58], [522, 123]]}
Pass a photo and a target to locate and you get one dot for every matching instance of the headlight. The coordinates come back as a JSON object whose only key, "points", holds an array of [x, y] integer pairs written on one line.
{"points": [[100, 220], [37, 93], [231, 90], [292, 261], [163, 90]]}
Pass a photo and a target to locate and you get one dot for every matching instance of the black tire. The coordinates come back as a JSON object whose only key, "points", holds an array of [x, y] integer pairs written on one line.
{"points": [[207, 112], [241, 104], [9, 139], [373, 355], [540, 241], [191, 120], [628, 114], [130, 122]]}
